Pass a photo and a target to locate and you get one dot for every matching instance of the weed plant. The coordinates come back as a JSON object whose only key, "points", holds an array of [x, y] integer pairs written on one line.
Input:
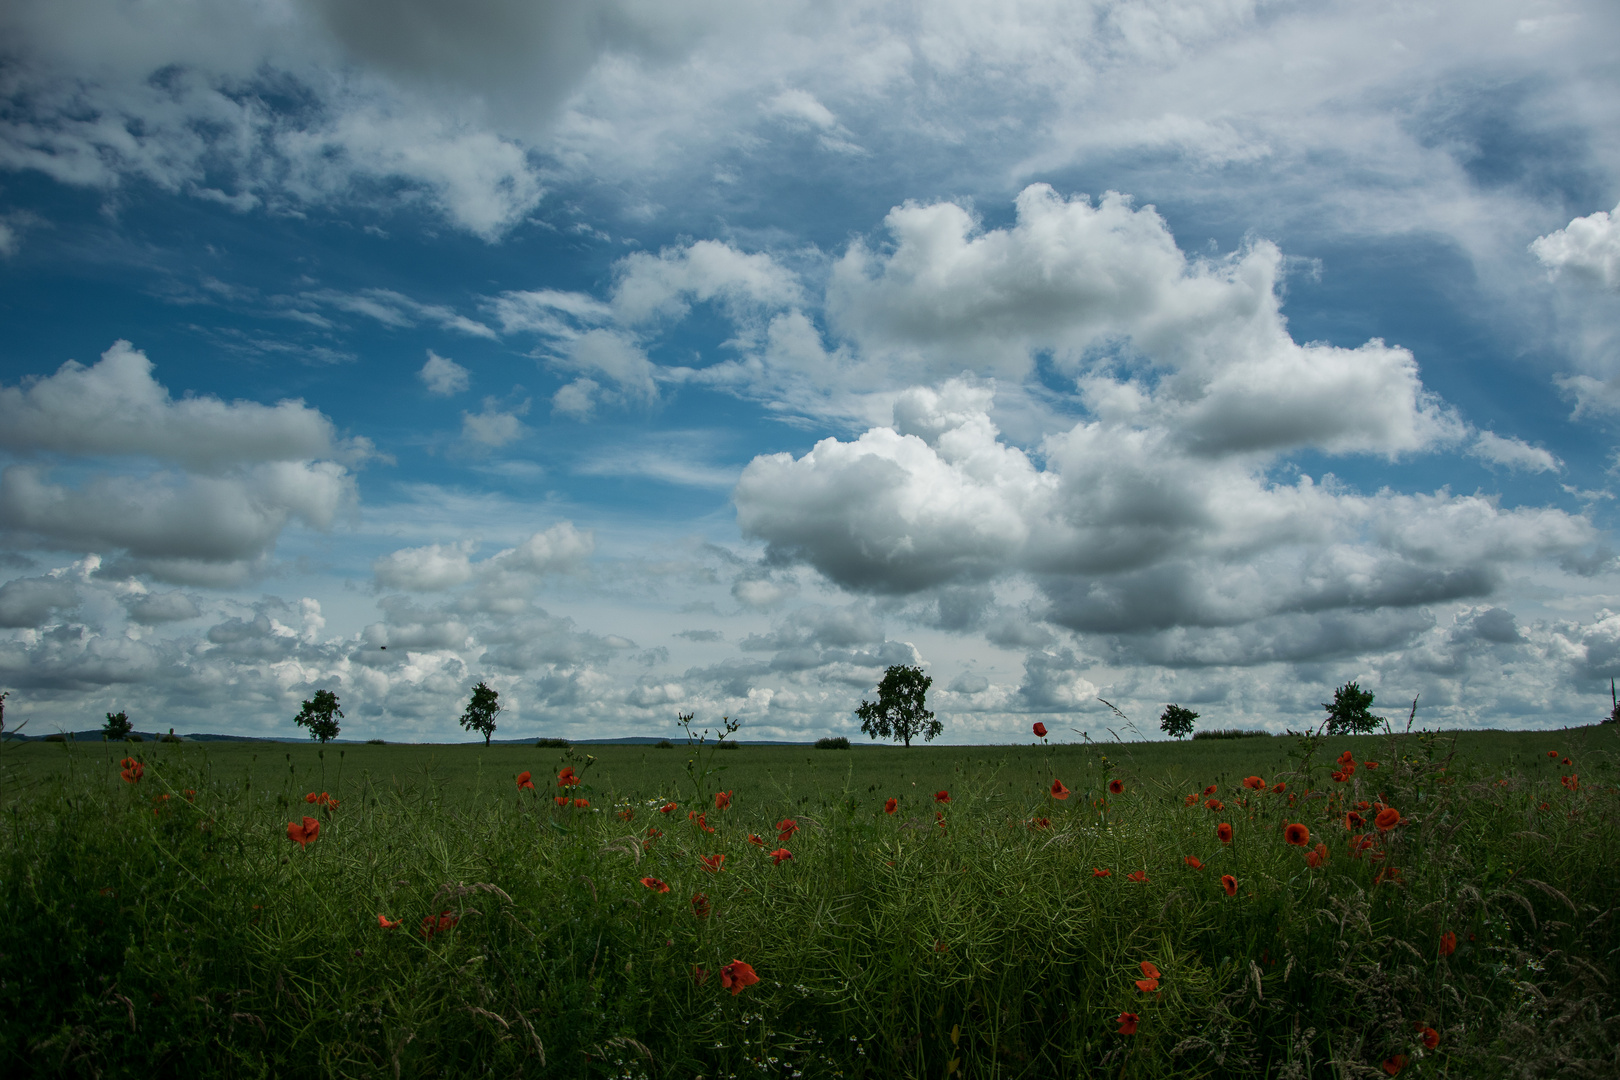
{"points": [[167, 919]]}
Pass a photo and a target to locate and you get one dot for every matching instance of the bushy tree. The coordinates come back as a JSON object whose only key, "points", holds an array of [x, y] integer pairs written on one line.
{"points": [[117, 727], [1350, 713], [481, 710], [320, 715], [1176, 721], [900, 711]]}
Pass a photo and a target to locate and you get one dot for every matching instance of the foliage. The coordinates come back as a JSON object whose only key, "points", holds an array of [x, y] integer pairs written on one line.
{"points": [[1350, 714], [1231, 733], [320, 715], [900, 711], [552, 744], [1176, 721], [835, 742], [189, 936], [482, 708], [118, 727]]}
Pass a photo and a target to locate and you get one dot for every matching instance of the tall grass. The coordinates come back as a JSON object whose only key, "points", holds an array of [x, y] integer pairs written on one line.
{"points": [[189, 935]]}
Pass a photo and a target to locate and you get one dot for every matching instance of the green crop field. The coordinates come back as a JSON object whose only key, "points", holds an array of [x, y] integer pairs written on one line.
{"points": [[198, 915]]}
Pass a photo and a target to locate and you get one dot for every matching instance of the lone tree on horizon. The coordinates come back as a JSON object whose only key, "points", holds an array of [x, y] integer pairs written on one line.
{"points": [[320, 716], [117, 727], [481, 711], [1350, 714], [1177, 722], [900, 711]]}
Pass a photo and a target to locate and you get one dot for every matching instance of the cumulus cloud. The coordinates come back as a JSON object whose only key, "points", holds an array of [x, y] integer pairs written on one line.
{"points": [[663, 285], [494, 426], [442, 376], [152, 609], [562, 548], [1514, 454], [32, 602], [1588, 248]]}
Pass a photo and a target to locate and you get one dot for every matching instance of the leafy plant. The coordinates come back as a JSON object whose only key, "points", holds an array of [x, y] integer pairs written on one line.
{"points": [[481, 711], [900, 711], [320, 715], [836, 742], [1350, 713], [118, 727], [1176, 721]]}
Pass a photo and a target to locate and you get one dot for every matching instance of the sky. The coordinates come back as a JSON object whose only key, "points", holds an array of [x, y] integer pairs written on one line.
{"points": [[711, 357]]}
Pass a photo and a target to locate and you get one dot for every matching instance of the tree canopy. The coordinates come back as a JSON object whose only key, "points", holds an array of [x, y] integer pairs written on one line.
{"points": [[117, 727], [320, 715], [900, 711], [1350, 712], [481, 711], [1177, 722]]}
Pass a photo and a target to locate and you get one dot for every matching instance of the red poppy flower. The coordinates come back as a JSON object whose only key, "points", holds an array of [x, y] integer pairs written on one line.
{"points": [[560, 800], [736, 975], [786, 828], [701, 975], [582, 804], [1192, 861], [1388, 873], [1223, 832], [1545, 806], [655, 885], [752, 839], [1566, 761], [1347, 758], [780, 856], [1339, 777], [627, 814], [1395, 1064], [386, 923], [1040, 730], [1353, 821], [653, 834], [1552, 753], [1297, 834], [942, 796], [303, 834], [1360, 843], [1191, 799], [1387, 819], [1429, 1037], [1254, 783], [525, 781], [311, 797], [1058, 790], [1211, 789], [437, 924], [1317, 857], [1278, 788], [1116, 787], [668, 808], [1097, 871], [700, 820], [1040, 823], [132, 771], [1369, 764], [1448, 943], [1150, 970], [700, 905], [1127, 1023], [1229, 883], [891, 806], [1147, 986], [713, 863], [1363, 805], [1215, 805], [1136, 875], [1573, 783], [567, 778], [722, 799]]}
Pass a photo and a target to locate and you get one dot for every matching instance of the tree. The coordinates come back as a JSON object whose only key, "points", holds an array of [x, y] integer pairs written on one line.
{"points": [[1349, 714], [117, 727], [1177, 722], [899, 712], [481, 710], [320, 716], [1614, 716]]}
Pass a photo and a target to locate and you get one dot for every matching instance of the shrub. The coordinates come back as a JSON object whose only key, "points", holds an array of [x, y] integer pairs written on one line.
{"points": [[664, 744], [554, 744], [1231, 733], [375, 742], [133, 737], [56, 736], [171, 737], [723, 745], [836, 742]]}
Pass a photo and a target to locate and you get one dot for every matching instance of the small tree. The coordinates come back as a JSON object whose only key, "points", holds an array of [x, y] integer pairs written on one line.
{"points": [[900, 711], [117, 727], [1350, 712], [1176, 721], [320, 716], [481, 710]]}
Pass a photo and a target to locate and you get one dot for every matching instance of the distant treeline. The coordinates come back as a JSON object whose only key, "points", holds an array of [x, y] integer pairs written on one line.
{"points": [[1231, 733]]}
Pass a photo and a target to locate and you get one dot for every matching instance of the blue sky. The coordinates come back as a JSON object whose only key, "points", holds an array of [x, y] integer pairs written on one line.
{"points": [[646, 359]]}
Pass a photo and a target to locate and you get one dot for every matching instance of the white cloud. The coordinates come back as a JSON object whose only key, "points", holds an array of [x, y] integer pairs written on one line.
{"points": [[425, 569], [442, 376], [494, 426], [1514, 454], [34, 601], [1588, 248], [663, 285], [562, 548], [167, 607], [801, 105]]}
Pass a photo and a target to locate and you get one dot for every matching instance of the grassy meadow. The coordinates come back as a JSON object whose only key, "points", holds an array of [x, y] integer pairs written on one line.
{"points": [[164, 919]]}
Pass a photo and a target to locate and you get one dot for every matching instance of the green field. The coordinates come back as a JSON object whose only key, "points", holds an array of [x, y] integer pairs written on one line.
{"points": [[189, 934]]}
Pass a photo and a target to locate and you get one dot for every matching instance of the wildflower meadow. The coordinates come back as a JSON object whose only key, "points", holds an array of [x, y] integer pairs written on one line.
{"points": [[1279, 907]]}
